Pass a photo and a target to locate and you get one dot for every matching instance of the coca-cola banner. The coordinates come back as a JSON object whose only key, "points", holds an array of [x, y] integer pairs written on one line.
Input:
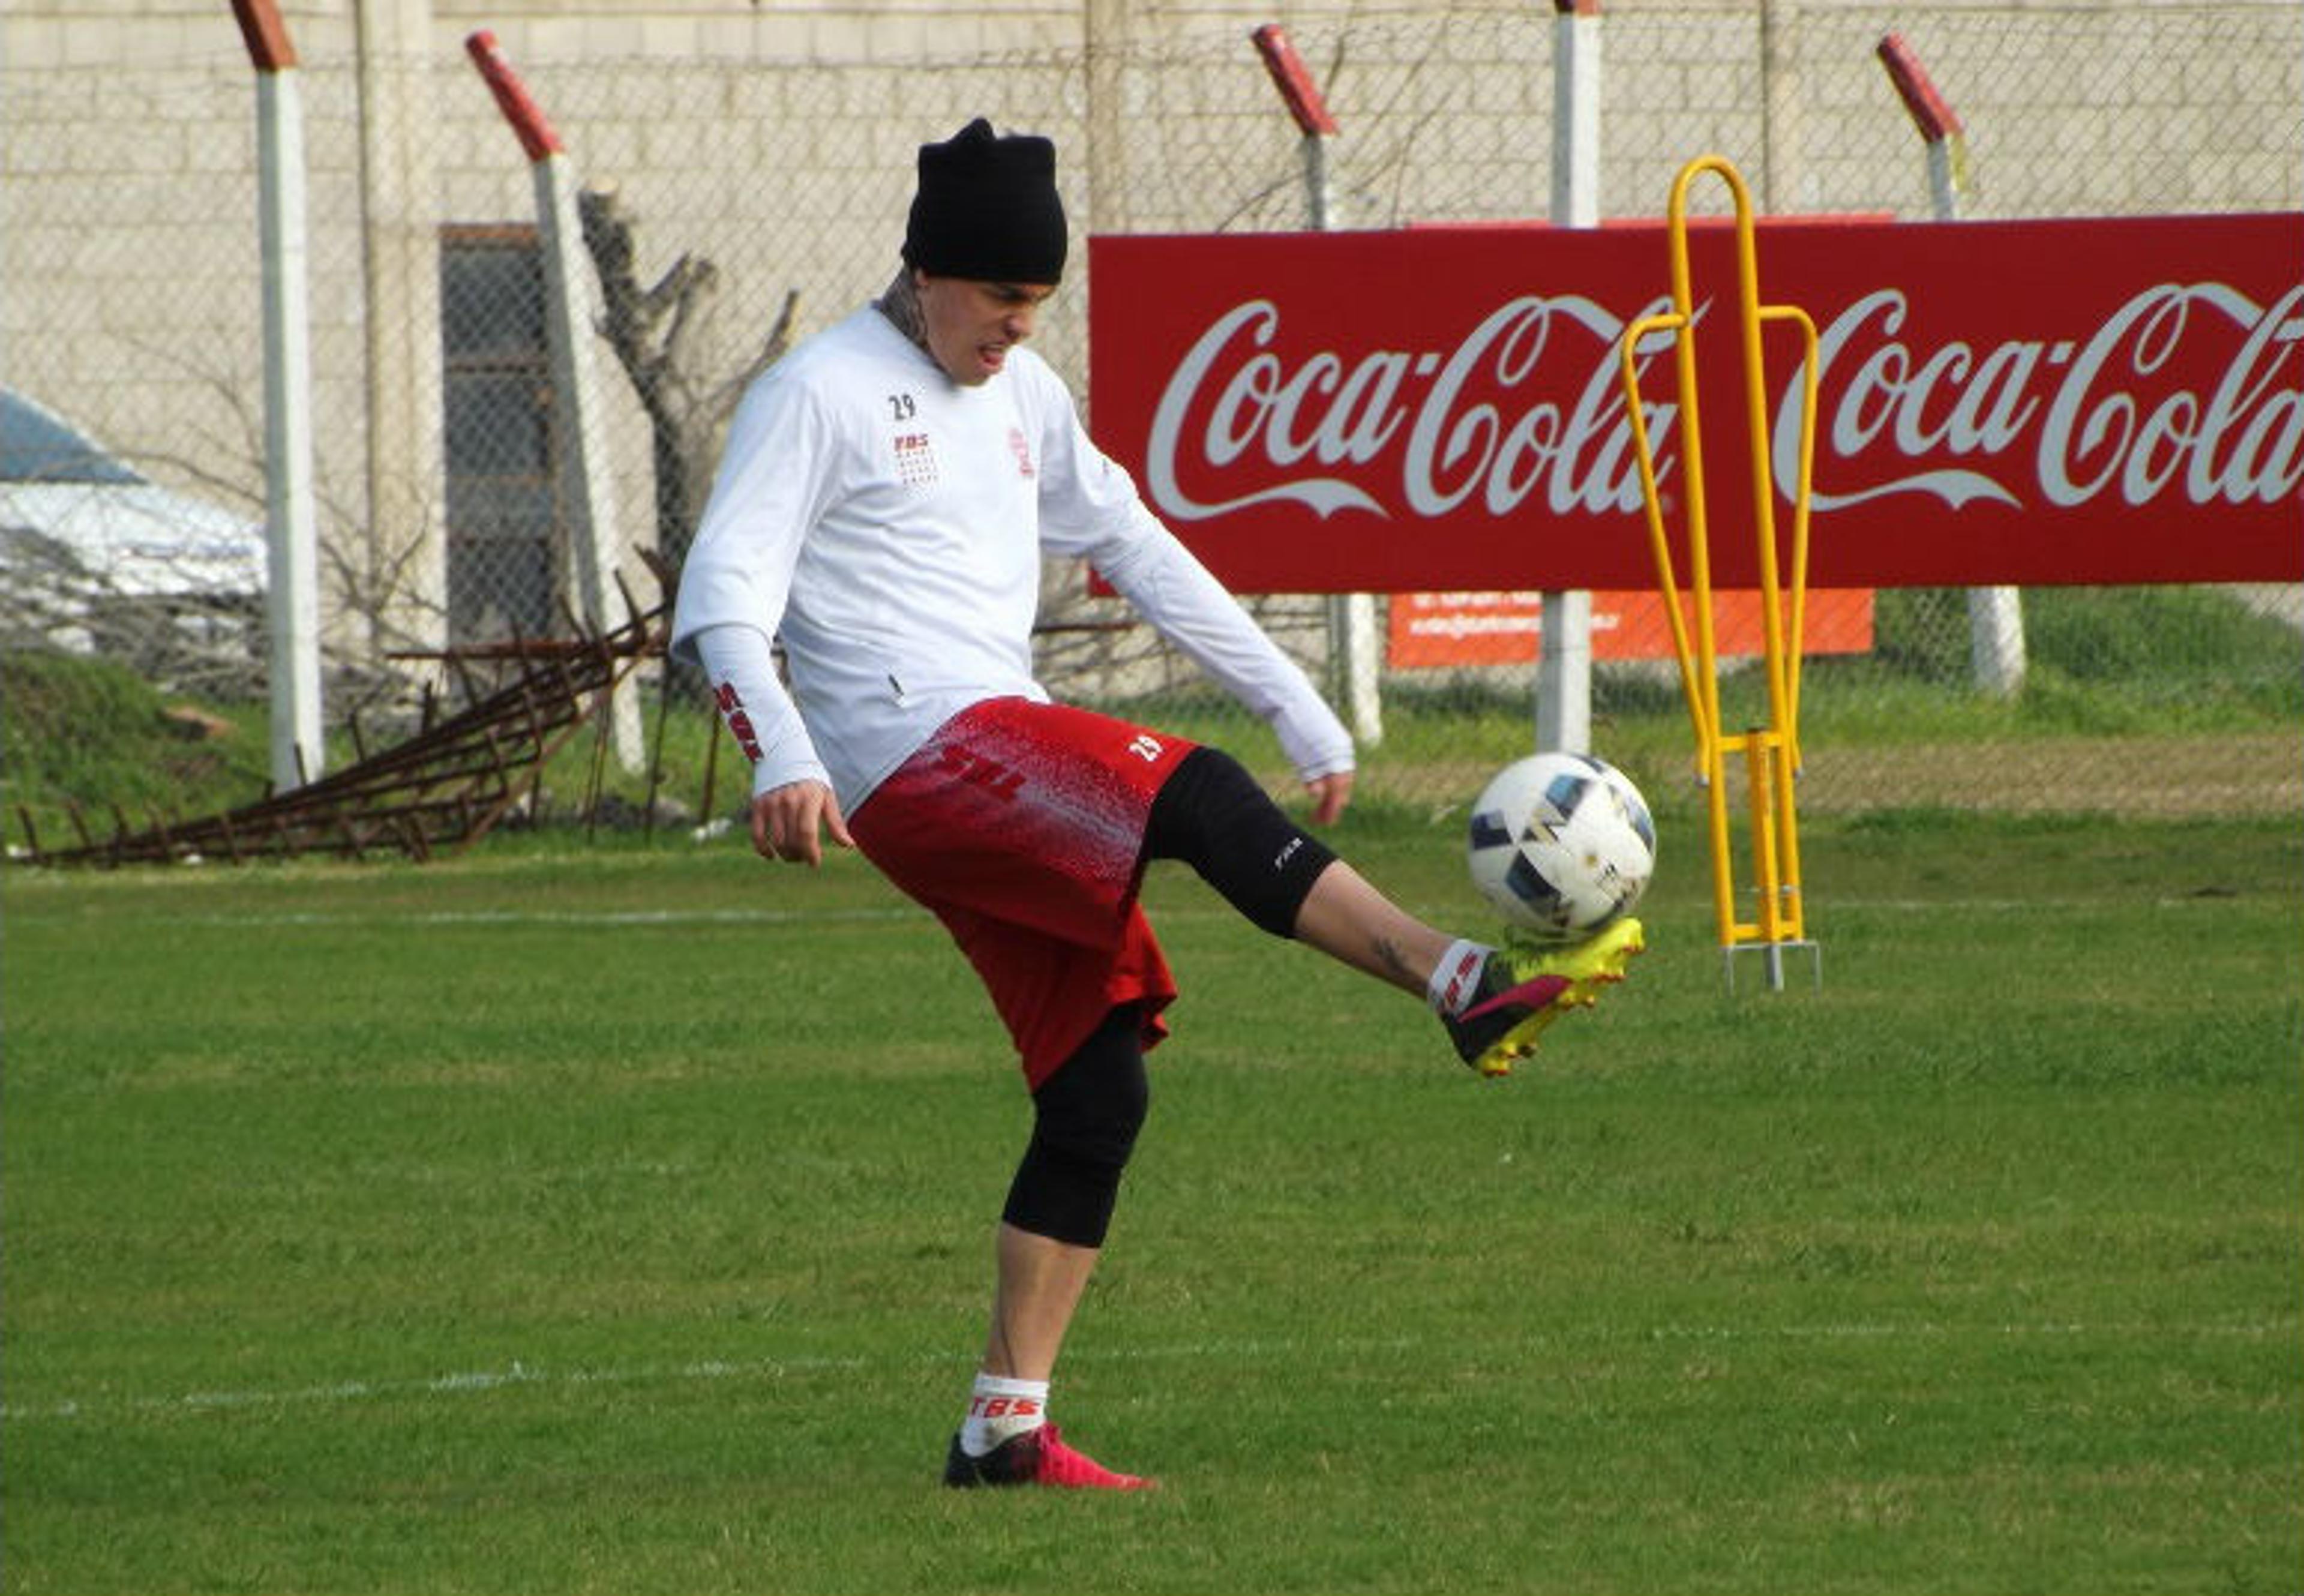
{"points": [[2092, 401]]}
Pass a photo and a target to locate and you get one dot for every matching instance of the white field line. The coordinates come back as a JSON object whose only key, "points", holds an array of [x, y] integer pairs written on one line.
{"points": [[1285, 1350], [585, 917]]}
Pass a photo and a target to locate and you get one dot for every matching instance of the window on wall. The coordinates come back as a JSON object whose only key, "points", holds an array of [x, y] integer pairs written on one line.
{"points": [[505, 541]]}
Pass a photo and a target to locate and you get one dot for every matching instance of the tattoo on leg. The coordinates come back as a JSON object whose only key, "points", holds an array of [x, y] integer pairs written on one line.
{"points": [[1389, 954]]}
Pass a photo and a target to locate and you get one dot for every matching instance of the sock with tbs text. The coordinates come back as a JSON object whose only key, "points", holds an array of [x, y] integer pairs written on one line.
{"points": [[1456, 980], [999, 1409]]}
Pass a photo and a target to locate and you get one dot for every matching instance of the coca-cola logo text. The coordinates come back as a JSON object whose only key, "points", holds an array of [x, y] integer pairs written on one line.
{"points": [[2187, 393]]}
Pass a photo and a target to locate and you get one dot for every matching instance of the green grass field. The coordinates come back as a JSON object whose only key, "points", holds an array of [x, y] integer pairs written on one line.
{"points": [[619, 1220]]}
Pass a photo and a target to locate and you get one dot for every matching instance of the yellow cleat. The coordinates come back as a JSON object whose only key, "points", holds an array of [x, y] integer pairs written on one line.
{"points": [[1526, 987]]}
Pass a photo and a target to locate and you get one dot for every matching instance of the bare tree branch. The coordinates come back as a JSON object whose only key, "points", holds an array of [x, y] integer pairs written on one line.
{"points": [[654, 333]]}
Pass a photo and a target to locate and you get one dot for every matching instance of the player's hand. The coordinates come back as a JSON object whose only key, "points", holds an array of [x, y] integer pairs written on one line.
{"points": [[789, 823], [1330, 794]]}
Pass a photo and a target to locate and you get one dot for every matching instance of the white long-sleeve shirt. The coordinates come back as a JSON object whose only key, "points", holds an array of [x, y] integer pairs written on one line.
{"points": [[888, 524]]}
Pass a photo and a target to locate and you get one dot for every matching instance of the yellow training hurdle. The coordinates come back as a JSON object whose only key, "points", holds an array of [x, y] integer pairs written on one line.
{"points": [[1771, 752]]}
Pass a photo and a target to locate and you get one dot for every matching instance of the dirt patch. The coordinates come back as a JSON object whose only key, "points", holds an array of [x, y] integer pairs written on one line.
{"points": [[2259, 773]]}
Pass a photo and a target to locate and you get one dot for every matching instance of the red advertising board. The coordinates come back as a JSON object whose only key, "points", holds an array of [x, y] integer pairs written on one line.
{"points": [[2079, 400]]}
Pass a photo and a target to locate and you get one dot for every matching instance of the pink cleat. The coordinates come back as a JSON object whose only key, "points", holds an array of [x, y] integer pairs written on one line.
{"points": [[1037, 1457]]}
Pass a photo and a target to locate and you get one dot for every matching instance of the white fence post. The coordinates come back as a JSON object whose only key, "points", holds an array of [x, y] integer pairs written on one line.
{"points": [[1564, 672], [404, 453], [291, 517], [1354, 646], [1996, 616], [587, 492]]}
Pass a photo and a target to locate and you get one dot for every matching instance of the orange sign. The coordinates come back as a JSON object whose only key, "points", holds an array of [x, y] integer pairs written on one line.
{"points": [[1460, 629]]}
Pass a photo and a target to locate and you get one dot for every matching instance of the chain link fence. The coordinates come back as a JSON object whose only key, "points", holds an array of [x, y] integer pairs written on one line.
{"points": [[733, 207]]}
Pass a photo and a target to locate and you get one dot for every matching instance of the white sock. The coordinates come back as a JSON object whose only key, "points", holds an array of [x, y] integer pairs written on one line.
{"points": [[1456, 978], [1000, 1408]]}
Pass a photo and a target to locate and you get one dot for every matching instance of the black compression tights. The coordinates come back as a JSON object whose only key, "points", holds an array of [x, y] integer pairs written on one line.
{"points": [[1085, 1120]]}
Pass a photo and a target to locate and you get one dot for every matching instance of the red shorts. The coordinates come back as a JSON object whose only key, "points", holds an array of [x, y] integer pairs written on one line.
{"points": [[1021, 826]]}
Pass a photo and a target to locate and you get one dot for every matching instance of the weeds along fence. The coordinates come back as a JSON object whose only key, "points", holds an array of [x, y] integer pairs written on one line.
{"points": [[731, 206]]}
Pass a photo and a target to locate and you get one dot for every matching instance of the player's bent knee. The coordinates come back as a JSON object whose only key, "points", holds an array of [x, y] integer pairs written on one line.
{"points": [[1211, 814]]}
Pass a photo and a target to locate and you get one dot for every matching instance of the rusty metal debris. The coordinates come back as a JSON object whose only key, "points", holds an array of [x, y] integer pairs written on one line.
{"points": [[439, 791]]}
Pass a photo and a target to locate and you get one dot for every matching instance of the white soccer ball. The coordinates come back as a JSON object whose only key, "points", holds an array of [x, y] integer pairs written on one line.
{"points": [[1563, 844]]}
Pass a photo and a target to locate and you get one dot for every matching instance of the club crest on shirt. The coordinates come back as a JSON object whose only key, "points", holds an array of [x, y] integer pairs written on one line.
{"points": [[916, 466], [1021, 449]]}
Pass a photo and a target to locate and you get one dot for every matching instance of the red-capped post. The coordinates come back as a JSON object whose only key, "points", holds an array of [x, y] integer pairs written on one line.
{"points": [[1293, 78], [265, 33], [292, 515], [538, 141], [1996, 652], [1939, 125], [1576, 113], [1309, 110], [587, 485], [1355, 646]]}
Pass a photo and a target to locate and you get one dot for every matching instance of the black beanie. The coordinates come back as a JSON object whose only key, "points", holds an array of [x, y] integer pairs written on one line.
{"points": [[987, 209]]}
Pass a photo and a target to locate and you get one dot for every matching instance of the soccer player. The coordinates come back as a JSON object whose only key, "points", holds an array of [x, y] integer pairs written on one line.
{"points": [[887, 494]]}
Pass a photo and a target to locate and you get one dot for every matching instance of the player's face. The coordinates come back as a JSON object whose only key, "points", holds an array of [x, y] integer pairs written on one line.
{"points": [[971, 326]]}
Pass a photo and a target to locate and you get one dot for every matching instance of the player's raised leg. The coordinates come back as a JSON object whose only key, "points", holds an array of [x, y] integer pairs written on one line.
{"points": [[1213, 816], [1494, 1002]]}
